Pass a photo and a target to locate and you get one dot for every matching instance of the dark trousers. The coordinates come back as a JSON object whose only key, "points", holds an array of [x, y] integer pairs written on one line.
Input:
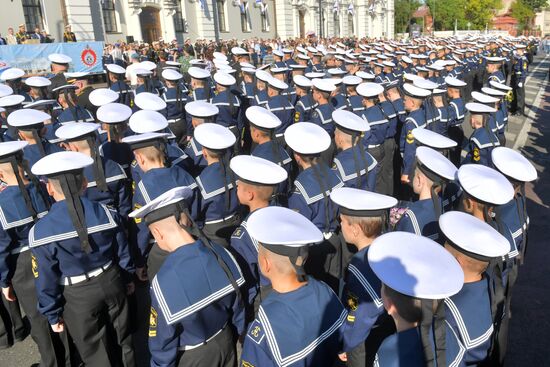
{"points": [[53, 347], [12, 327], [381, 180], [456, 133], [96, 315], [387, 167], [218, 352], [221, 232]]}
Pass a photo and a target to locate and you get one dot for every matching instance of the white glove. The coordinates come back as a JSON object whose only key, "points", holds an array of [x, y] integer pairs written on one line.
{"points": [[520, 85]]}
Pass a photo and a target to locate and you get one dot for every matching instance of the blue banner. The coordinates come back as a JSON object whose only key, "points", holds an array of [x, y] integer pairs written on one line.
{"points": [[33, 58]]}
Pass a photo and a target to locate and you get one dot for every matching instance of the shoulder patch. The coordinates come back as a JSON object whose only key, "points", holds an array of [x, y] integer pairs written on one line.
{"points": [[256, 332], [153, 322], [34, 265], [238, 233]]}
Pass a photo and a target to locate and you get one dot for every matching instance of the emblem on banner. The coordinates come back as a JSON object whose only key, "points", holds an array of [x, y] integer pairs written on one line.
{"points": [[88, 57]]}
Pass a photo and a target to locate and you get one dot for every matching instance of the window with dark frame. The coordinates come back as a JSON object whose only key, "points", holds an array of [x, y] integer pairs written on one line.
{"points": [[221, 15], [32, 11], [350, 24], [109, 16], [179, 22], [245, 26], [265, 19], [336, 24]]}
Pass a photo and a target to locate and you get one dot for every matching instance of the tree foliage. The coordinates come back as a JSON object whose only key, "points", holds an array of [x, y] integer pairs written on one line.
{"points": [[404, 10], [478, 13], [534, 5], [523, 13]]}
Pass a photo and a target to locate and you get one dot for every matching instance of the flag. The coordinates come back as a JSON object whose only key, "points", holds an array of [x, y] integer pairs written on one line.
{"points": [[243, 9], [202, 4], [351, 10], [336, 6]]}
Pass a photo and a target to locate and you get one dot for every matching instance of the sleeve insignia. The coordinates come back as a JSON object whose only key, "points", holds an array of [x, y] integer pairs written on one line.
{"points": [[353, 301], [525, 65], [246, 364], [410, 137], [256, 332], [153, 319], [476, 154], [34, 265], [297, 117], [136, 207]]}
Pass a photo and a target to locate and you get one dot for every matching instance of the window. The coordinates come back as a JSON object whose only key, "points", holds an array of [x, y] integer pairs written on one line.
{"points": [[350, 24], [33, 14], [109, 16], [179, 22], [220, 7], [264, 17], [336, 23], [245, 17]]}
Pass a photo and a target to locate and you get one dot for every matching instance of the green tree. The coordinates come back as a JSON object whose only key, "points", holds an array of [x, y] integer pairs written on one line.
{"points": [[523, 13], [480, 13], [446, 12], [535, 5], [404, 10]]}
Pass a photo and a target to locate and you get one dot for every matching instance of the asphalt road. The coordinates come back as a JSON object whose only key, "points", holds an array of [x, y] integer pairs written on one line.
{"points": [[530, 324]]}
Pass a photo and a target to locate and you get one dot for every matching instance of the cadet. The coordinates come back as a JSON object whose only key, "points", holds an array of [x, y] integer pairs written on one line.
{"points": [[500, 118], [12, 78], [355, 166], [257, 181], [217, 213], [144, 81], [175, 96], [492, 66], [310, 197], [10, 103], [103, 96], [263, 125], [157, 176], [199, 112], [107, 182], [300, 322], [260, 88], [322, 114], [412, 269], [456, 116], [195, 303], [519, 75], [59, 66], [279, 105], [354, 100], [514, 214], [72, 112], [83, 268], [114, 117], [115, 80], [433, 171], [439, 99], [305, 105], [24, 201], [229, 106], [468, 314], [483, 140], [30, 128], [363, 217]]}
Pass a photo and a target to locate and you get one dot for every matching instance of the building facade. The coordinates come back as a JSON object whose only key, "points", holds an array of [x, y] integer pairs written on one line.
{"points": [[150, 20]]}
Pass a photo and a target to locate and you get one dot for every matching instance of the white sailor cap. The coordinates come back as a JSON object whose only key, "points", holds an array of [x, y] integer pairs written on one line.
{"points": [[220, 62], [213, 136], [315, 75], [224, 79], [435, 67], [415, 92], [226, 69], [138, 141], [38, 82], [479, 108], [324, 85], [406, 59], [415, 266], [75, 130], [262, 118], [438, 91], [147, 65], [288, 50], [59, 59], [238, 51], [472, 236], [301, 81], [513, 164], [485, 184], [349, 122], [197, 62], [201, 109], [40, 104], [102, 96], [11, 147], [494, 59], [198, 73], [411, 77], [454, 82], [278, 53], [65, 87], [60, 162], [115, 69], [257, 171], [361, 203], [352, 80], [388, 64], [149, 101], [303, 57], [369, 90], [28, 118], [6, 90], [141, 72], [311, 49], [425, 84], [113, 113], [219, 56], [432, 139], [12, 73], [76, 75], [307, 138], [262, 75], [277, 84], [245, 64], [171, 74], [336, 71], [172, 196], [520, 46], [493, 92], [484, 98], [293, 229], [11, 100], [248, 70], [147, 121], [301, 49], [278, 70], [365, 76], [499, 86], [173, 63], [434, 164]]}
